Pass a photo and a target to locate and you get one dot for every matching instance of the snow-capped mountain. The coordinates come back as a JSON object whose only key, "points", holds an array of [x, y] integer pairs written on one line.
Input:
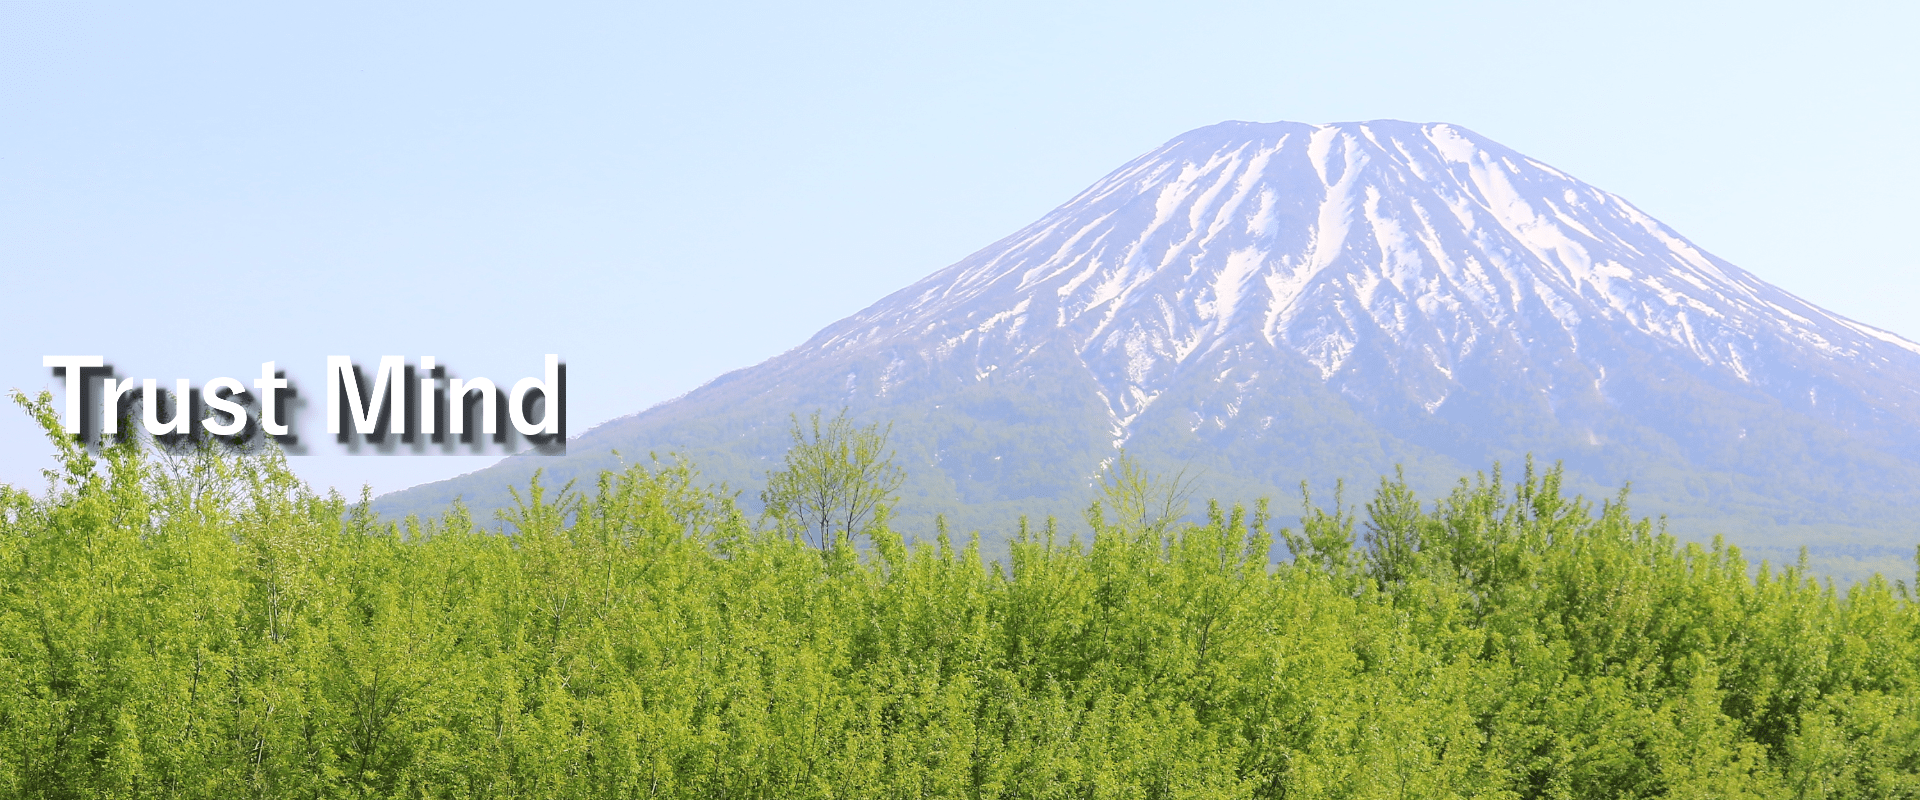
{"points": [[1381, 252], [1285, 301]]}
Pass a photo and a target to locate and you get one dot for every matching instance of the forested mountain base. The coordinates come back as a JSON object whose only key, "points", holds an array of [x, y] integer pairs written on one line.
{"points": [[204, 626]]}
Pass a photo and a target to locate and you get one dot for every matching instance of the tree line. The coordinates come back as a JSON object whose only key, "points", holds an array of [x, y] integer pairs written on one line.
{"points": [[201, 624]]}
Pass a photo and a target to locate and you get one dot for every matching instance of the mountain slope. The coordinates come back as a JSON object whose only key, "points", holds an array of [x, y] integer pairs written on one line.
{"points": [[1267, 303]]}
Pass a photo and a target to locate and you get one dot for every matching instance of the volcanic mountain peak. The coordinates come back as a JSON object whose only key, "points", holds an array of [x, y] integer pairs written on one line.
{"points": [[1271, 303], [1425, 243]]}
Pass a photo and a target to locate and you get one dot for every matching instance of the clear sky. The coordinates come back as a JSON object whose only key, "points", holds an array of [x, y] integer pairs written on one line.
{"points": [[662, 193]]}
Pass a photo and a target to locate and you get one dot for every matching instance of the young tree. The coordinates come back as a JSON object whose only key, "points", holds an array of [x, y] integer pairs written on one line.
{"points": [[836, 480], [1140, 500], [1395, 530]]}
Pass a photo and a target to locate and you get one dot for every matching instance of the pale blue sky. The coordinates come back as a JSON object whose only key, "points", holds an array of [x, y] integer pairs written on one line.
{"points": [[663, 193]]}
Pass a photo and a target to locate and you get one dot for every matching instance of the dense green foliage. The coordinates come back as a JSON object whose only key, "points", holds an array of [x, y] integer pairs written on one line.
{"points": [[204, 626]]}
